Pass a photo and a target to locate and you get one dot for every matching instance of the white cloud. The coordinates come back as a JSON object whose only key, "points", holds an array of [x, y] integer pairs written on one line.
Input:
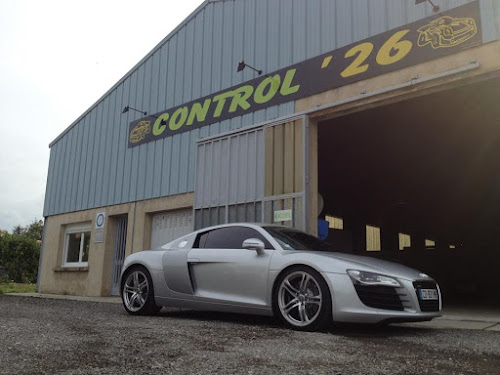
{"points": [[57, 58]]}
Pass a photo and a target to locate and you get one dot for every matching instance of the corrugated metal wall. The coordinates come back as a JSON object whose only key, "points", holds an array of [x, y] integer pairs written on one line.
{"points": [[90, 164], [231, 169]]}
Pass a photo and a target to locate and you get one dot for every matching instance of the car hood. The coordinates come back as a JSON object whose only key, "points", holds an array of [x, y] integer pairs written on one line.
{"points": [[365, 263]]}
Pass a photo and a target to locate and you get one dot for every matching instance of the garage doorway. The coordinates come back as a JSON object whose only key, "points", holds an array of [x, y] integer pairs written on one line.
{"points": [[418, 182]]}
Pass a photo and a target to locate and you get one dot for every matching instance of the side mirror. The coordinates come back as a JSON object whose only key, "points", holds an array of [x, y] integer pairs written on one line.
{"points": [[254, 244]]}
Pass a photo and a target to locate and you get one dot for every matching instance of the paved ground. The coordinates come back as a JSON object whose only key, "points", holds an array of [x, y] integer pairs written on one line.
{"points": [[47, 336]]}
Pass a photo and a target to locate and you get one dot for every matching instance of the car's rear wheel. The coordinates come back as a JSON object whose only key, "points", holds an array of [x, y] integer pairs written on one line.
{"points": [[137, 292], [302, 300]]}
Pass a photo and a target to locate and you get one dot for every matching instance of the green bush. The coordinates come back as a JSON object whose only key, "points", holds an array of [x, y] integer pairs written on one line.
{"points": [[20, 256]]}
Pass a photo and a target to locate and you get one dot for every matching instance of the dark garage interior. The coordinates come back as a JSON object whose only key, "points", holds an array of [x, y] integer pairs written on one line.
{"points": [[427, 167]]}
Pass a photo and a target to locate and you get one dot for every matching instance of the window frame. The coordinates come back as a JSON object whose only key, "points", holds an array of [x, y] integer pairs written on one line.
{"points": [[197, 243], [75, 229]]}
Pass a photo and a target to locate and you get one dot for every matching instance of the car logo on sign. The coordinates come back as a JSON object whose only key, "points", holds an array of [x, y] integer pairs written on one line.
{"points": [[447, 31], [139, 132]]}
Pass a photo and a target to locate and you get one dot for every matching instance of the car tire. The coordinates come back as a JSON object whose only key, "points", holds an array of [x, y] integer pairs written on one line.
{"points": [[302, 300], [137, 292]]}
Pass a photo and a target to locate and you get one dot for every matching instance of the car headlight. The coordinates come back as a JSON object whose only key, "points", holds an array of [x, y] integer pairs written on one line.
{"points": [[370, 278]]}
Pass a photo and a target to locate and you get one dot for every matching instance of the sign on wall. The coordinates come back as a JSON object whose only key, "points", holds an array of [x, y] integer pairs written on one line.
{"points": [[437, 36], [100, 221], [282, 215]]}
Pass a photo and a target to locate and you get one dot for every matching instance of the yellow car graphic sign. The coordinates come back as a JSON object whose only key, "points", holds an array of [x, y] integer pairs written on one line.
{"points": [[447, 31], [139, 132]]}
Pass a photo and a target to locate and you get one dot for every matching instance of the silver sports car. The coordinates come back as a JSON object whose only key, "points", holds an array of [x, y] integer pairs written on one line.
{"points": [[273, 270]]}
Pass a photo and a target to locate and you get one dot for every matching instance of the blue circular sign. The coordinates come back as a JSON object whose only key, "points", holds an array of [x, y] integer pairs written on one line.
{"points": [[100, 220]]}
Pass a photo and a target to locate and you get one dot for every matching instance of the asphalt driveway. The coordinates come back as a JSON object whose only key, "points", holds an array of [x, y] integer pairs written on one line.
{"points": [[47, 336]]}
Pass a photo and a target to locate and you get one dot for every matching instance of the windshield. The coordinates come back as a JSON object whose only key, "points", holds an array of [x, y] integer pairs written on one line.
{"points": [[292, 239]]}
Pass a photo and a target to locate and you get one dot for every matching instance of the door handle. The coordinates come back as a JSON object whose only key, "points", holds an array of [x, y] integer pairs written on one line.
{"points": [[193, 260]]}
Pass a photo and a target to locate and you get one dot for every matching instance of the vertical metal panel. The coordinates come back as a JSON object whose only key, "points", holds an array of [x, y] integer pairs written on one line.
{"points": [[198, 61], [286, 33], [378, 20], [90, 156], [165, 174], [230, 169], [145, 178], [184, 162], [116, 139], [299, 31], [327, 21], [343, 22], [362, 26], [245, 159], [77, 156], [49, 190], [122, 147], [313, 27], [70, 161], [193, 137], [103, 126], [179, 68], [59, 155], [92, 166], [229, 61], [238, 49], [490, 17], [83, 164], [206, 80], [94, 149], [396, 13], [109, 139], [127, 166], [175, 164], [187, 69], [139, 155]]}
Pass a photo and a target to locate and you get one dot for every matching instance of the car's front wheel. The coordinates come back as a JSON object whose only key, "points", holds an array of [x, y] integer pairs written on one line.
{"points": [[137, 292], [302, 300]]}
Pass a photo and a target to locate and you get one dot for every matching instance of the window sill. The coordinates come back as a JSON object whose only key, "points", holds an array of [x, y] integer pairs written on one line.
{"points": [[71, 269]]}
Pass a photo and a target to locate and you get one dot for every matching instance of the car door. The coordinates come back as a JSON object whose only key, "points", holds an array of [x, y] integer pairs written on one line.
{"points": [[222, 270]]}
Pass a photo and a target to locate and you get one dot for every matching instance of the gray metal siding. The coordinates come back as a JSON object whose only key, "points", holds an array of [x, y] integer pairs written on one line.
{"points": [[90, 164], [230, 170]]}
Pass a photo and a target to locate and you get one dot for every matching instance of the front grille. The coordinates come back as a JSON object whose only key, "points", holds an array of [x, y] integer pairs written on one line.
{"points": [[426, 305], [379, 297]]}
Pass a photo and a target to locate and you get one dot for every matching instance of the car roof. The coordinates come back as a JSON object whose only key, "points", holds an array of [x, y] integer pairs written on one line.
{"points": [[239, 224]]}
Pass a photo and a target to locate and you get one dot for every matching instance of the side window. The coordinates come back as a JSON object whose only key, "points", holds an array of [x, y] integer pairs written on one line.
{"points": [[76, 246], [229, 238]]}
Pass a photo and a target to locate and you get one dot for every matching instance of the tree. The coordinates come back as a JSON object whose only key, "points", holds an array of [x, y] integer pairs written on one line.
{"points": [[18, 230], [35, 230]]}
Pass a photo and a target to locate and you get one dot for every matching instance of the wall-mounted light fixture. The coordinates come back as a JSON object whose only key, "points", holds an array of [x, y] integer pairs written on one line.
{"points": [[242, 65], [435, 7], [127, 108]]}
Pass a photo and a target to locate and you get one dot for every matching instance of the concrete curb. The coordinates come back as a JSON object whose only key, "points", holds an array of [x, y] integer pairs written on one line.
{"points": [[67, 297]]}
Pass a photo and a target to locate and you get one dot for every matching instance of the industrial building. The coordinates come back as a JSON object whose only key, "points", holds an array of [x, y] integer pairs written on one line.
{"points": [[380, 117]]}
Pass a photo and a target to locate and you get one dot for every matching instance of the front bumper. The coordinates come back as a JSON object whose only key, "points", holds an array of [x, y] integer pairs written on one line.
{"points": [[348, 307]]}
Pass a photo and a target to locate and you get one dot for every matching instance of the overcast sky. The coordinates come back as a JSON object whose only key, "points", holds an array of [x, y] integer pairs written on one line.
{"points": [[57, 58]]}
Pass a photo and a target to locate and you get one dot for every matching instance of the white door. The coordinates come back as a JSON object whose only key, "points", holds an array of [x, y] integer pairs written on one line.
{"points": [[169, 225]]}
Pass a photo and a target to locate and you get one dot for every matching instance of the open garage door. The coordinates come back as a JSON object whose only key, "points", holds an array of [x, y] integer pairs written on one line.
{"points": [[418, 182]]}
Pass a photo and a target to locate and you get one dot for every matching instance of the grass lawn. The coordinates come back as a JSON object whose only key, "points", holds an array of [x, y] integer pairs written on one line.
{"points": [[17, 288]]}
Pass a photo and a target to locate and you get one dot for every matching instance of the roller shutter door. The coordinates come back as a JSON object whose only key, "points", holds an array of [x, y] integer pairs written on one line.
{"points": [[168, 226]]}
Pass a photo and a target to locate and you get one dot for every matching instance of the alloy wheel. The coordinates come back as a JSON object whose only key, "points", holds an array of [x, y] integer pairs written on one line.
{"points": [[300, 298], [135, 290]]}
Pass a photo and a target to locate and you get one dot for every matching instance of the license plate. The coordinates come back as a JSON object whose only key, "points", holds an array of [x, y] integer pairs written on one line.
{"points": [[428, 294]]}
